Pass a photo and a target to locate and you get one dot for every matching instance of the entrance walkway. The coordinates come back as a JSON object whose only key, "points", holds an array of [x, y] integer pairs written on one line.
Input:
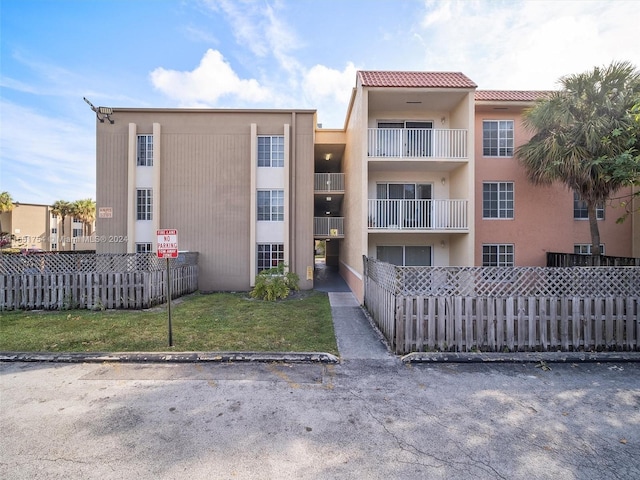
{"points": [[357, 339]]}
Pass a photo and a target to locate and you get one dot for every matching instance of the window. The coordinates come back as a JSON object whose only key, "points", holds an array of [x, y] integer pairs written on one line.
{"points": [[271, 205], [580, 209], [270, 255], [497, 200], [585, 248], [499, 255], [145, 150], [54, 246], [405, 255], [271, 151], [143, 247], [404, 191], [54, 230], [143, 204], [497, 138], [77, 232]]}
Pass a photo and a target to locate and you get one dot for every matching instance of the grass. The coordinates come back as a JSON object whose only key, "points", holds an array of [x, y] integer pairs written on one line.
{"points": [[211, 322]]}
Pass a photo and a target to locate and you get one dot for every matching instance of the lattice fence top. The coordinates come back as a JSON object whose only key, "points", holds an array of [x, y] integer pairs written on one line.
{"points": [[53, 262], [506, 281]]}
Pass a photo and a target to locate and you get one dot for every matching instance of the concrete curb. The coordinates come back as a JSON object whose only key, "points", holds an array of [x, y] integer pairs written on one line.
{"points": [[169, 357], [528, 357]]}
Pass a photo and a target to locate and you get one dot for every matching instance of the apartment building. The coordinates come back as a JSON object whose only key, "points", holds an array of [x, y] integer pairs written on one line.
{"points": [[236, 184], [34, 227], [423, 173], [517, 223]]}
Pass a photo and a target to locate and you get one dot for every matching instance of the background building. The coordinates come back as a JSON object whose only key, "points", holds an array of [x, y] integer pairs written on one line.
{"points": [[35, 227]]}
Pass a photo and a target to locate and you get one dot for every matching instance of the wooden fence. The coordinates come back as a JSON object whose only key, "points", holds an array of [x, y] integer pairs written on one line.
{"points": [[479, 309], [580, 260], [139, 282]]}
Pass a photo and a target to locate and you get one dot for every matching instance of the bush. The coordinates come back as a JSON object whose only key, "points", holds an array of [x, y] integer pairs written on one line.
{"points": [[275, 283]]}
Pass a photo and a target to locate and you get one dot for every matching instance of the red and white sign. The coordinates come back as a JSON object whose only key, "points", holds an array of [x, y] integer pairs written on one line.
{"points": [[167, 246]]}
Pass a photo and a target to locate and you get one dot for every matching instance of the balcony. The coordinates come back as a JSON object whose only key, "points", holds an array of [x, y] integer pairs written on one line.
{"points": [[417, 143], [328, 227], [429, 215], [329, 183]]}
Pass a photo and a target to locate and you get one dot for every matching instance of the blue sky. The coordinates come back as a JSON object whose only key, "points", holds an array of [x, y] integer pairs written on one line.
{"points": [[260, 54]]}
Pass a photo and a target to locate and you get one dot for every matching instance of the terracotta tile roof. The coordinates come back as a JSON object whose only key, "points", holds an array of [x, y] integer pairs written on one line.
{"points": [[510, 95], [414, 79]]}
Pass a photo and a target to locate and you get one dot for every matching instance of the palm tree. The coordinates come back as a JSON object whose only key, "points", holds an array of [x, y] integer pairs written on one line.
{"points": [[6, 202], [581, 132], [61, 208], [6, 205], [85, 211]]}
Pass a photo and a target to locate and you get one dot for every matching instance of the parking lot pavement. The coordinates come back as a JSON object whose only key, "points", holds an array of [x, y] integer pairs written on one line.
{"points": [[360, 419]]}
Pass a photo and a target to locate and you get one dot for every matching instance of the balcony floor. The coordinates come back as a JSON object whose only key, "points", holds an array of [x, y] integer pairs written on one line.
{"points": [[386, 164]]}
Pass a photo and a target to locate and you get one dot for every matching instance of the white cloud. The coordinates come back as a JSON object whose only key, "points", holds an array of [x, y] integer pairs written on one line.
{"points": [[323, 82], [329, 90], [36, 148], [258, 27], [214, 82], [527, 44], [199, 35], [212, 79]]}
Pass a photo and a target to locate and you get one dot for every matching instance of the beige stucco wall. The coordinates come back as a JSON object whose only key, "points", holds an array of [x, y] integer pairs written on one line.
{"points": [[29, 223], [205, 185], [354, 165]]}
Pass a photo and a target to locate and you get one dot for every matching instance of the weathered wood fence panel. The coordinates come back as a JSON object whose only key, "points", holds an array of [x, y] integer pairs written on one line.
{"points": [[498, 309], [519, 324], [44, 288]]}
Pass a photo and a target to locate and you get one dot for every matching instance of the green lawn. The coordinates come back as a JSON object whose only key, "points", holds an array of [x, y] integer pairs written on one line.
{"points": [[212, 322]]}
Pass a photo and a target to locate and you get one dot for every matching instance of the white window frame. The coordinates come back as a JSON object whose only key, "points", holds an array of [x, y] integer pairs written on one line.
{"points": [[585, 249], [503, 212], [501, 253], [503, 144], [271, 151], [144, 204], [580, 207], [270, 205], [144, 151], [269, 255], [77, 232], [144, 247]]}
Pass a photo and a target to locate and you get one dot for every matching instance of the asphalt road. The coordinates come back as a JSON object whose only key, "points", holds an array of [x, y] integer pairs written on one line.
{"points": [[360, 419]]}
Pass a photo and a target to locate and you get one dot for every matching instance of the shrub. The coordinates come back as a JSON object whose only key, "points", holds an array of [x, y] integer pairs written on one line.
{"points": [[275, 283]]}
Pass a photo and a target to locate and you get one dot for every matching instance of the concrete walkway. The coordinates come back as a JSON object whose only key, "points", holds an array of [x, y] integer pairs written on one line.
{"points": [[357, 338]]}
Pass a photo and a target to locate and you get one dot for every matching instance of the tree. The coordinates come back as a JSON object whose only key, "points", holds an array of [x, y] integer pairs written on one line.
{"points": [[85, 211], [61, 208], [6, 205], [584, 136], [629, 166], [6, 202]]}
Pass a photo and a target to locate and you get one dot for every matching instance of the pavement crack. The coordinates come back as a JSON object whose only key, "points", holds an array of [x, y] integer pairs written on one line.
{"points": [[414, 450]]}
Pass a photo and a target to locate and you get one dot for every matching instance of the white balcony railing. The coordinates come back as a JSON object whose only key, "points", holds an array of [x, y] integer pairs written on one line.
{"points": [[448, 215], [417, 143], [329, 182], [328, 227]]}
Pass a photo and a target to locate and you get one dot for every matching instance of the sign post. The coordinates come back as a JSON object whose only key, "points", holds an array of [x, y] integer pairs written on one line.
{"points": [[167, 247]]}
